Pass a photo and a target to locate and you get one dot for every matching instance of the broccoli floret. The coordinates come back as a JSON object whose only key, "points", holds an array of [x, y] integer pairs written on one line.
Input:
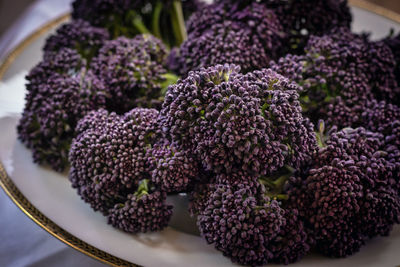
{"points": [[249, 222], [293, 240], [133, 71], [219, 34], [346, 51], [66, 61], [384, 118], [173, 168], [237, 122], [240, 223], [376, 116], [302, 18], [53, 108], [393, 42], [79, 35], [347, 196], [199, 196], [144, 211], [108, 155], [339, 73]]}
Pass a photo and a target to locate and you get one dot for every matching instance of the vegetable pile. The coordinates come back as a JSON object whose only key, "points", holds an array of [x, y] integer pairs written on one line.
{"points": [[280, 124]]}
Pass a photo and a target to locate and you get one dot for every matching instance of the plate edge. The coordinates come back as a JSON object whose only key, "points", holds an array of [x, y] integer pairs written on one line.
{"points": [[19, 199], [377, 9], [40, 219]]}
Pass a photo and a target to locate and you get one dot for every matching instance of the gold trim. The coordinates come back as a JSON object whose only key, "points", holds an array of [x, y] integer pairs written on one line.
{"points": [[9, 59], [19, 199], [34, 214], [377, 9]]}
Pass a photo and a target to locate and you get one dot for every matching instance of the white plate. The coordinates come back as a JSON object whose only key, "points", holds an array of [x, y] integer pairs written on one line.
{"points": [[53, 204]]}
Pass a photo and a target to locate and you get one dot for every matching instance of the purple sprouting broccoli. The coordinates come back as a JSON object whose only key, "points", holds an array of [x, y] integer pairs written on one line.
{"points": [[108, 155], [303, 18], [382, 117], [240, 223], [328, 70], [250, 222], [348, 194], [219, 34], [164, 19], [293, 240], [111, 171], [376, 116], [199, 196], [237, 122], [134, 72], [346, 51], [393, 42], [173, 168], [339, 70], [144, 211], [79, 35], [66, 61], [54, 104]]}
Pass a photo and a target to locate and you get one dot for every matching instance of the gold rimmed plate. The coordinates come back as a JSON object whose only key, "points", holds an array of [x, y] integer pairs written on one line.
{"points": [[48, 199]]}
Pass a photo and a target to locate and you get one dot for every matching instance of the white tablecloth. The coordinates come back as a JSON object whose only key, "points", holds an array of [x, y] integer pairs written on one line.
{"points": [[22, 242]]}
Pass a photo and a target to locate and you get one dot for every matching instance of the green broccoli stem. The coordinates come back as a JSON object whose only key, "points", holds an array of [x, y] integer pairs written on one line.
{"points": [[275, 183], [320, 134], [178, 22], [277, 196], [155, 26], [143, 189], [170, 79], [137, 22]]}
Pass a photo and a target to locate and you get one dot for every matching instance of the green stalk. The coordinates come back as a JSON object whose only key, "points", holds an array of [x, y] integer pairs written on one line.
{"points": [[143, 188], [170, 79], [178, 22], [320, 134], [267, 182], [156, 19], [276, 183], [137, 22], [277, 196], [280, 182]]}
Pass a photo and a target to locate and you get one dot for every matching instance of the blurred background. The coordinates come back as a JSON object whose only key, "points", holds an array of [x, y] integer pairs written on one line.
{"points": [[11, 9], [393, 5]]}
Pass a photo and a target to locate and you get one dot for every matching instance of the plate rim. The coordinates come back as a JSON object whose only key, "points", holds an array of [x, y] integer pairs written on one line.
{"points": [[39, 218], [19, 199]]}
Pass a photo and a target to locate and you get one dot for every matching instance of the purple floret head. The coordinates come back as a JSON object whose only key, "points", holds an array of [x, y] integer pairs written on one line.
{"points": [[52, 111], [133, 71], [293, 241], [348, 194], [233, 122], [143, 211], [108, 156], [173, 168], [79, 35], [240, 224], [66, 61], [219, 34]]}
